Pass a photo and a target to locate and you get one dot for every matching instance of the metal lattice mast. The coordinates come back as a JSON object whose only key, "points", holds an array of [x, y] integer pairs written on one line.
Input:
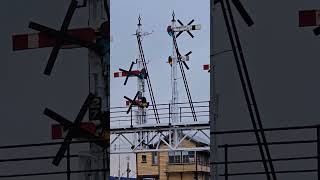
{"points": [[141, 113], [174, 80]]}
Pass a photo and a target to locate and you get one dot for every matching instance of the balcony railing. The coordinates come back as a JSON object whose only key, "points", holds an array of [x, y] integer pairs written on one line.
{"points": [[188, 167]]}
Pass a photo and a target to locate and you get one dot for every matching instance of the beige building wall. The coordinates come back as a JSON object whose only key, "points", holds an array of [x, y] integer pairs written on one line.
{"points": [[169, 172]]}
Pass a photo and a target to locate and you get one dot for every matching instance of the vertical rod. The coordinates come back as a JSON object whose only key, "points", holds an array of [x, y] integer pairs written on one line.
{"points": [[245, 90], [131, 118], [196, 174], [119, 168], [68, 163], [251, 92], [99, 84], [318, 151], [226, 168], [180, 114], [128, 170], [104, 164], [214, 171], [169, 115]]}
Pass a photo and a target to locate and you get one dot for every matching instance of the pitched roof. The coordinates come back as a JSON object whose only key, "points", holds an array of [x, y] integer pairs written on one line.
{"points": [[198, 139]]}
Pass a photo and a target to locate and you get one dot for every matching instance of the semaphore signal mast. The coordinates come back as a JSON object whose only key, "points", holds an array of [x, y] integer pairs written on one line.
{"points": [[170, 133], [175, 60], [94, 164], [143, 81]]}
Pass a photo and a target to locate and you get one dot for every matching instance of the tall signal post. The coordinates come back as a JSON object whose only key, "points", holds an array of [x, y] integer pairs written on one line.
{"points": [[174, 79], [96, 39], [174, 84], [141, 113], [140, 100], [99, 82], [174, 60], [141, 83]]}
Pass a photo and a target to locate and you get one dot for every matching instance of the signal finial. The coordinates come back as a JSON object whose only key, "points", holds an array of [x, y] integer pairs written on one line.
{"points": [[173, 15], [139, 19]]}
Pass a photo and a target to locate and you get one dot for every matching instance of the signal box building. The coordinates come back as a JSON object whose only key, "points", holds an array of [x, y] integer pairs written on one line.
{"points": [[175, 165]]}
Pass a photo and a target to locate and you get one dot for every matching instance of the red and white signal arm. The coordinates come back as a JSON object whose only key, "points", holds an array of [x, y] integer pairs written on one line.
{"points": [[186, 28], [206, 67], [128, 102], [185, 58], [57, 131], [124, 74], [42, 40], [309, 18]]}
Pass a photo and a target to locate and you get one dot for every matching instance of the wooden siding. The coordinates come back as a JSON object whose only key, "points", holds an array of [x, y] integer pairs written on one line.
{"points": [[167, 171], [146, 168]]}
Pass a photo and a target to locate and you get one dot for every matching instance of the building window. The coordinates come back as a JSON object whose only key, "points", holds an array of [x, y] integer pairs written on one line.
{"points": [[191, 156], [181, 157], [144, 158], [171, 156], [185, 157], [177, 157], [154, 158], [174, 156]]}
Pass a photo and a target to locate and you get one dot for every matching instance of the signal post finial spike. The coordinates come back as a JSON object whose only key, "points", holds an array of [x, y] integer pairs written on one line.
{"points": [[139, 20], [173, 16]]}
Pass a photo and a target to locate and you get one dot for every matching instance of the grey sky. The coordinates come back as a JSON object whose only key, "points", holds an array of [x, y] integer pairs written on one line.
{"points": [[156, 16]]}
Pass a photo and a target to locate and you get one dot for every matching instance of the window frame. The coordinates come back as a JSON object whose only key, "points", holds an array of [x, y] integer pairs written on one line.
{"points": [[155, 158], [144, 158]]}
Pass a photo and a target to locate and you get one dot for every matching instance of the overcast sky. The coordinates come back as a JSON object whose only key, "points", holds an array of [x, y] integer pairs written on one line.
{"points": [[156, 16], [282, 61]]}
